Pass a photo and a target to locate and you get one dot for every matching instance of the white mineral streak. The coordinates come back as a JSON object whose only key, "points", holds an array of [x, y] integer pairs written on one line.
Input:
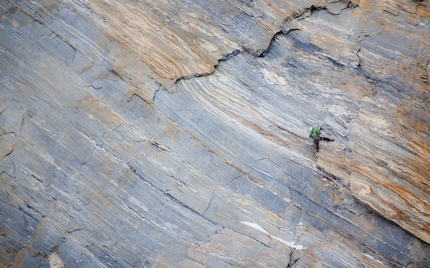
{"points": [[261, 229], [371, 257], [255, 226]]}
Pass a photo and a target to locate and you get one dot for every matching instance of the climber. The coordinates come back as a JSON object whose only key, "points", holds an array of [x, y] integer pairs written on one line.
{"points": [[315, 134]]}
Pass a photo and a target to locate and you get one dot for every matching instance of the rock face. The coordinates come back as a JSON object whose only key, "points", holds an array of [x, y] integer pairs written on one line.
{"points": [[175, 133]]}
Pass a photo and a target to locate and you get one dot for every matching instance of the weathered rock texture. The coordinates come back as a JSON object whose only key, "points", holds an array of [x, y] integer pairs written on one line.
{"points": [[175, 133]]}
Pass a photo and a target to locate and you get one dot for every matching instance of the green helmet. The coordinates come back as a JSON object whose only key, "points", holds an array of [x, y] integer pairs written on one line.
{"points": [[314, 133]]}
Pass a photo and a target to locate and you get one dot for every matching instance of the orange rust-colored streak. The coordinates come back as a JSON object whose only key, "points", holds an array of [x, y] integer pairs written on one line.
{"points": [[417, 143], [15, 24], [270, 136], [19, 259], [93, 107], [364, 4], [387, 26], [419, 171], [403, 115], [269, 3], [407, 196], [423, 11], [400, 215], [419, 125], [339, 163], [411, 127], [356, 14]]}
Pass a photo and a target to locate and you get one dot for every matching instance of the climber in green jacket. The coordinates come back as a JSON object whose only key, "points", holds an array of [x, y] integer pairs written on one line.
{"points": [[315, 134]]}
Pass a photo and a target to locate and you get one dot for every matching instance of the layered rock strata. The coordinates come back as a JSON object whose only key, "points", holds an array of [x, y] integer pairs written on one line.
{"points": [[175, 133]]}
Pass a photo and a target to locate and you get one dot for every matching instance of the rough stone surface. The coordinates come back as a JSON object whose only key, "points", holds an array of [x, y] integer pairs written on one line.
{"points": [[175, 133]]}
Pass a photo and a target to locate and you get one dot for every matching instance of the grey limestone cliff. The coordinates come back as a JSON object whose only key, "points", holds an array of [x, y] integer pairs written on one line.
{"points": [[175, 133]]}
